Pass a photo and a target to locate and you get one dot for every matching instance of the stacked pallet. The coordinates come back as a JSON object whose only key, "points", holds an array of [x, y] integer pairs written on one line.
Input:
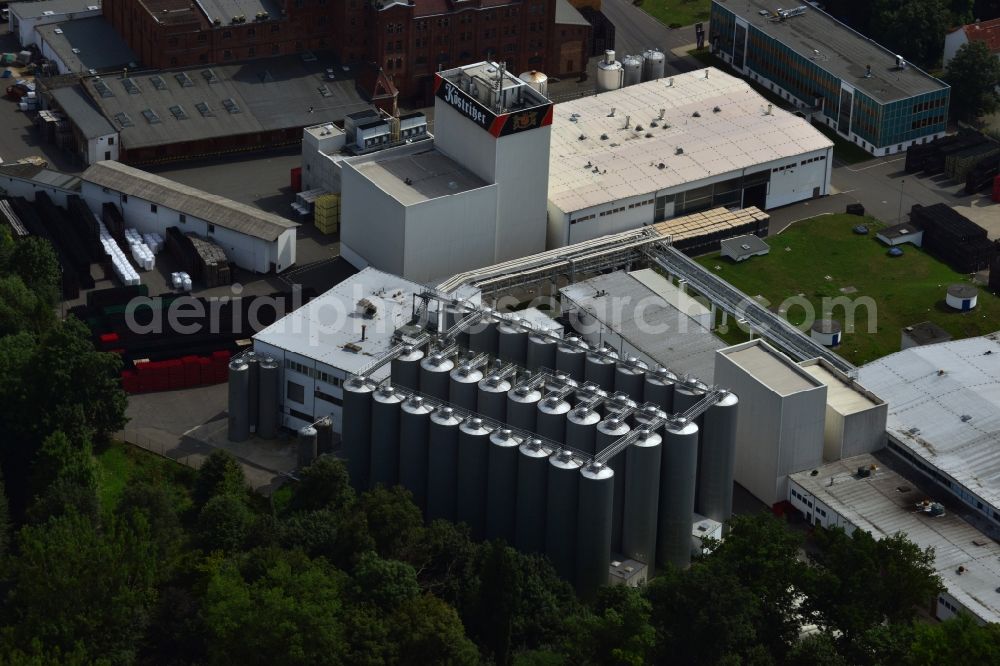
{"points": [[211, 264], [327, 213], [953, 238], [703, 232]]}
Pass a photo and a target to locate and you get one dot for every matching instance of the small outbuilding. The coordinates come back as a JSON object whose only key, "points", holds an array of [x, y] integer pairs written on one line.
{"points": [[962, 297], [924, 333], [744, 247], [901, 234], [827, 332]]}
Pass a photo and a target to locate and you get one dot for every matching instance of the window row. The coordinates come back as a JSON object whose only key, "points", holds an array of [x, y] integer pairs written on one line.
{"points": [[647, 202]]}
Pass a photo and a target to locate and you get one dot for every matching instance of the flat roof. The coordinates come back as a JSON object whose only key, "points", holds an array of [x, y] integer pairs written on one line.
{"points": [[771, 368], [212, 208], [595, 160], [666, 289], [944, 406], [172, 106], [567, 14], [28, 10], [843, 52], [319, 329], [90, 43], [745, 245], [876, 505], [416, 177], [662, 332], [843, 394], [927, 332], [899, 230], [225, 10]]}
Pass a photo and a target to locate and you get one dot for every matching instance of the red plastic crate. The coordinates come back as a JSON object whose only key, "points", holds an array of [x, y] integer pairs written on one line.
{"points": [[108, 338]]}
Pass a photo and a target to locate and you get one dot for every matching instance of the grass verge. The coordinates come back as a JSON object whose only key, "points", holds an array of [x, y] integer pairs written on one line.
{"points": [[120, 463], [678, 13]]}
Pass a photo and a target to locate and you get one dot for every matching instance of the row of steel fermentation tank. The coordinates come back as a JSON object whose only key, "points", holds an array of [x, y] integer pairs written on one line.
{"points": [[518, 456]]}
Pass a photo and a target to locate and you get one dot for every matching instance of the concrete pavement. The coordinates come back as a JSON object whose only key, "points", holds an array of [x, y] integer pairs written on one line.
{"points": [[636, 31]]}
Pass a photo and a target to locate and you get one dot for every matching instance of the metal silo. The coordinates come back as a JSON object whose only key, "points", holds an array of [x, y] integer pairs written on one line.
{"points": [[483, 335], [324, 435], [559, 381], [679, 467], [686, 397], [632, 64], [609, 431], [571, 357], [551, 423], [647, 413], [642, 496], [442, 464], [541, 352], [512, 343], [609, 73], [405, 368], [501, 486], [581, 429], [473, 475], [253, 364], [653, 62], [659, 389], [618, 402], [239, 401], [452, 315], [600, 369], [589, 393], [307, 446], [464, 386], [532, 478], [716, 459], [630, 378], [357, 431], [492, 398], [561, 512], [593, 531], [435, 376], [522, 408], [267, 397], [385, 437], [414, 425]]}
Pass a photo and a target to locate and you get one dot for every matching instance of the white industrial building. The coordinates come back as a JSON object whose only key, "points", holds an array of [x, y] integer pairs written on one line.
{"points": [[26, 16], [27, 180], [473, 197], [672, 146], [862, 493], [251, 238], [944, 416]]}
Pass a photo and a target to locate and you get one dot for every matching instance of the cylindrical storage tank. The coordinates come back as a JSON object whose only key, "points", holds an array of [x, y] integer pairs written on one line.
{"points": [[559, 381], [632, 66], [442, 465], [473, 469], [642, 496], [962, 297], [307, 446], [541, 352], [385, 437], [653, 62], [571, 358], [239, 401], [589, 393], [717, 459], [532, 477], [435, 371], [405, 368], [491, 399], [609, 431], [561, 512], [609, 73], [414, 435], [646, 414], [659, 389], [617, 403], [483, 335], [501, 486], [687, 396], [253, 364], [536, 80], [551, 419], [267, 398], [827, 332], [452, 315], [356, 431], [630, 378], [678, 470], [600, 368], [512, 343], [324, 436], [522, 408], [581, 429], [593, 528], [463, 388]]}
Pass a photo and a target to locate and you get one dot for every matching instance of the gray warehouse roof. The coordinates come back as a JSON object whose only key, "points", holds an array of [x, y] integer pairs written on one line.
{"points": [[188, 200], [843, 52], [225, 10], [27, 10], [85, 114], [944, 405], [38, 174], [90, 43], [744, 246]]}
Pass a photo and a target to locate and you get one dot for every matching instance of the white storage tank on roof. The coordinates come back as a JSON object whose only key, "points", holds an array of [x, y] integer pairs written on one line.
{"points": [[537, 80], [632, 65], [609, 73], [653, 61]]}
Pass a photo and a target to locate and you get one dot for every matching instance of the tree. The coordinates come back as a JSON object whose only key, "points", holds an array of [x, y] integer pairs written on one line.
{"points": [[153, 504], [4, 519], [33, 261], [385, 583], [224, 524], [323, 485], [618, 631], [914, 29], [219, 474], [973, 74], [340, 537], [65, 478], [394, 521], [956, 641], [428, 631], [815, 650], [74, 585], [22, 309]]}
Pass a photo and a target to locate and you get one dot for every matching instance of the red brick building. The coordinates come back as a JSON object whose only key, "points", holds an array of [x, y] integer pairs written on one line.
{"points": [[409, 39]]}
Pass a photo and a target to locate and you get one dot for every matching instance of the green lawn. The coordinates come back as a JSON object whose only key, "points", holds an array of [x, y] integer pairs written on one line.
{"points": [[678, 13], [903, 290], [118, 463], [844, 150]]}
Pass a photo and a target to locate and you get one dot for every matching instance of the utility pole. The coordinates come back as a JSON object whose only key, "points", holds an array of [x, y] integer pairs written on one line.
{"points": [[899, 212]]}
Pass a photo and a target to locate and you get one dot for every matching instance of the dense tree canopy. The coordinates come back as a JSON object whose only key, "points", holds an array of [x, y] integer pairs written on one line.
{"points": [[973, 74]]}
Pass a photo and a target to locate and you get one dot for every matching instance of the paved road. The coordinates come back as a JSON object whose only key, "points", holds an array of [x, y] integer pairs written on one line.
{"points": [[636, 31]]}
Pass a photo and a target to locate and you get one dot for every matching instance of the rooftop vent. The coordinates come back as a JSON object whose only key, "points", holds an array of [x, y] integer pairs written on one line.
{"points": [[130, 86], [178, 112], [352, 347], [230, 105], [696, 115], [209, 76], [184, 80], [151, 117], [679, 151], [123, 119], [158, 82], [716, 109], [638, 128], [204, 109]]}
